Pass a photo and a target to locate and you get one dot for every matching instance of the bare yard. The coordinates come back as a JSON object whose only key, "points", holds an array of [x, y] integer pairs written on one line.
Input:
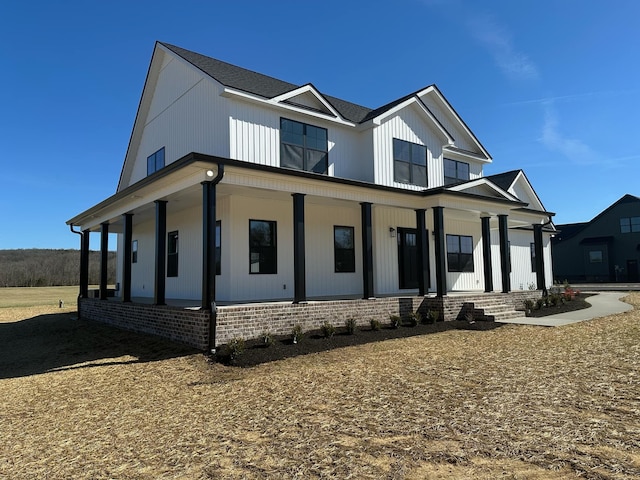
{"points": [[80, 400]]}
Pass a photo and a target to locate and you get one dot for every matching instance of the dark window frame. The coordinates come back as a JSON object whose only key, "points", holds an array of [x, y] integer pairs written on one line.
{"points": [[459, 176], [266, 254], [307, 145], [155, 161], [134, 251], [532, 253], [172, 253], [344, 258], [629, 224], [414, 152], [459, 261], [592, 259]]}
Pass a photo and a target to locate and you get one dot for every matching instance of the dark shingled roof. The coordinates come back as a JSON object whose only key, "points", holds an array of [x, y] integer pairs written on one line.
{"points": [[504, 180], [259, 84]]}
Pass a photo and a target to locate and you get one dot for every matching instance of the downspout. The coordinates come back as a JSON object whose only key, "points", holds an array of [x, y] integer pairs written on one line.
{"points": [[81, 236], [213, 315]]}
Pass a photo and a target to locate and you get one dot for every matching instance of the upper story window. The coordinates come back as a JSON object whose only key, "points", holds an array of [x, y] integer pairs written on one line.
{"points": [[155, 161], [455, 171], [303, 147], [630, 224], [409, 163]]}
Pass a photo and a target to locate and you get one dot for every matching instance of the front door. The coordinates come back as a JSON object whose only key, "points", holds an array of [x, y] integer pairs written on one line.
{"points": [[632, 271], [408, 257]]}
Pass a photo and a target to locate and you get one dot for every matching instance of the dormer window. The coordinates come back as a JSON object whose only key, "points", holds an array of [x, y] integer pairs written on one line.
{"points": [[155, 161], [303, 147], [455, 172], [409, 163]]}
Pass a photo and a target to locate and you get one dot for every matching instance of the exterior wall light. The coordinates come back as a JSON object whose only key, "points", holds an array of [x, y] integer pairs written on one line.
{"points": [[392, 232]]}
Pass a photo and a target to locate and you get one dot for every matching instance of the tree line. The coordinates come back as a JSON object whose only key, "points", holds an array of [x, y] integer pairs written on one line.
{"points": [[47, 268]]}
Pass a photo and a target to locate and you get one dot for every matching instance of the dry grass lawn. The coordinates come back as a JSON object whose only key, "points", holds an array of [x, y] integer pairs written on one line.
{"points": [[85, 401]]}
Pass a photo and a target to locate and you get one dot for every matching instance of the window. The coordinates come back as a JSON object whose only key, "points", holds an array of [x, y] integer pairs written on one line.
{"points": [[628, 225], [155, 161], [595, 256], [532, 247], [409, 163], [134, 251], [455, 172], [262, 246], [344, 250], [218, 258], [172, 254], [459, 253], [303, 147]]}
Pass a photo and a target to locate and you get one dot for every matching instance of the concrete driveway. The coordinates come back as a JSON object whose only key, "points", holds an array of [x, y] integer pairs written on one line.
{"points": [[602, 304]]}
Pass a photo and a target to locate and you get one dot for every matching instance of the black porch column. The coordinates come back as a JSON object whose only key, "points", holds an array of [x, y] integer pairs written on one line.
{"points": [[539, 253], [126, 260], [423, 253], [486, 254], [441, 251], [367, 251], [208, 245], [299, 286], [161, 247], [84, 264], [504, 253], [104, 258]]}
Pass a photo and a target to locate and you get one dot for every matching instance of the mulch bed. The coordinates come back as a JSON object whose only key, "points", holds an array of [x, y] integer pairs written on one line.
{"points": [[255, 352]]}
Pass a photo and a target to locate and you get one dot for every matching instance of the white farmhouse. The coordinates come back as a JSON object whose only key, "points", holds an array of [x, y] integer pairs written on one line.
{"points": [[241, 193]]}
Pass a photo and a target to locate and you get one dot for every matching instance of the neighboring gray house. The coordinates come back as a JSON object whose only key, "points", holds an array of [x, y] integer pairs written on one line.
{"points": [[606, 249]]}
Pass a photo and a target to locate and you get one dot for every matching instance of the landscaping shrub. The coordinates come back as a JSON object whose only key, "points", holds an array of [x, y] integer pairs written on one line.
{"points": [[350, 326], [328, 330], [267, 338], [395, 321], [296, 333], [235, 348], [375, 324]]}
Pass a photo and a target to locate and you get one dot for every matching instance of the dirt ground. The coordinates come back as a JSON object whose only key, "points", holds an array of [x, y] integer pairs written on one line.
{"points": [[84, 401]]}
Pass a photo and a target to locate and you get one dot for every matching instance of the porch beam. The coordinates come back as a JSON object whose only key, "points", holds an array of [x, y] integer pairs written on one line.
{"points": [[486, 254], [208, 245], [367, 251], [84, 264], [440, 251], [126, 258], [539, 253], [504, 253], [423, 255], [299, 285], [104, 258], [161, 247]]}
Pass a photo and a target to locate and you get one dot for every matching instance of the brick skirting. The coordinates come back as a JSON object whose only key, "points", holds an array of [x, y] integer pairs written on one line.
{"points": [[250, 320]]}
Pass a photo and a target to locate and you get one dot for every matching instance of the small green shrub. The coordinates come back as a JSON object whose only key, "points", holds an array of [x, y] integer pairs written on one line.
{"points": [[413, 319], [375, 324], [328, 330], [235, 347], [554, 300], [296, 333], [539, 303], [350, 326], [395, 320], [528, 304], [267, 338]]}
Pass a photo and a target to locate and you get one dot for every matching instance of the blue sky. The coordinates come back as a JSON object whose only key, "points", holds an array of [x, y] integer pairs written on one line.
{"points": [[549, 86]]}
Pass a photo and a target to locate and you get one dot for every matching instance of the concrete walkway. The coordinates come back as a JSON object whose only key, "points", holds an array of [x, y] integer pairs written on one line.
{"points": [[602, 304]]}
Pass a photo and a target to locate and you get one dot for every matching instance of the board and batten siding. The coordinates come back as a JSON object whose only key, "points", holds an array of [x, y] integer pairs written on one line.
{"points": [[187, 114], [452, 126], [255, 137], [466, 281], [410, 126]]}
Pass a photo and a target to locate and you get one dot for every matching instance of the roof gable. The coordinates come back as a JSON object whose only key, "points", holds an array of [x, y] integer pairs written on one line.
{"points": [[483, 187], [517, 183]]}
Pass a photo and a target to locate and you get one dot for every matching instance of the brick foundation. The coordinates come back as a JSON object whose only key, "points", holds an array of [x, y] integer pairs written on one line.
{"points": [[248, 321]]}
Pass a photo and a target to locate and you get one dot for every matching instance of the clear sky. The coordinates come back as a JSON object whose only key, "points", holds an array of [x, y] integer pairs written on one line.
{"points": [[548, 86]]}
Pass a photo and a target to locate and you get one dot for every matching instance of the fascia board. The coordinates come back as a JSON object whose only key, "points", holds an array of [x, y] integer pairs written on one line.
{"points": [[443, 101], [239, 94], [483, 181], [453, 151], [410, 101], [309, 88]]}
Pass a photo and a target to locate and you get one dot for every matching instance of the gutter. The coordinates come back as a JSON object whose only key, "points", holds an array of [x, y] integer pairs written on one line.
{"points": [[81, 238], [211, 343]]}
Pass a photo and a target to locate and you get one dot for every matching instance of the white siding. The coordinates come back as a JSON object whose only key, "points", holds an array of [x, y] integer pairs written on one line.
{"points": [[187, 114], [522, 277], [142, 272], [188, 223], [255, 137], [385, 248], [321, 278], [411, 126], [466, 281], [452, 126]]}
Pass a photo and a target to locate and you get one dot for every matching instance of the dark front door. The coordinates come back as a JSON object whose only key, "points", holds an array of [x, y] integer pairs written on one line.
{"points": [[408, 257], [632, 270]]}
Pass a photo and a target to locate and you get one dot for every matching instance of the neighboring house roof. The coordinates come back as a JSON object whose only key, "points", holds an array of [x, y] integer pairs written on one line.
{"points": [[569, 230]]}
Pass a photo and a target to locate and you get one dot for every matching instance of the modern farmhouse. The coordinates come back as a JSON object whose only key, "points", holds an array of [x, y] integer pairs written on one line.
{"points": [[248, 203]]}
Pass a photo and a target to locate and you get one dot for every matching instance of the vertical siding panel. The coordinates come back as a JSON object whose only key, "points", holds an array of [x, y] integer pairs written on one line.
{"points": [[142, 272], [466, 281], [188, 223]]}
